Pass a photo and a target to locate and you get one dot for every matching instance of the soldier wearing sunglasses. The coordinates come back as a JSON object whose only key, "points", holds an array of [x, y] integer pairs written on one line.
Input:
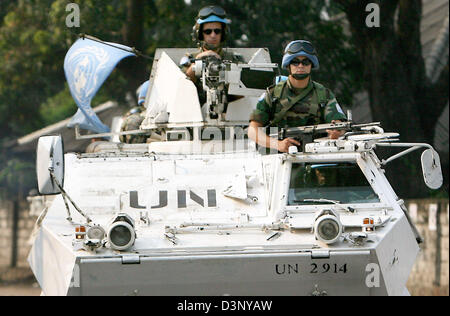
{"points": [[298, 101], [209, 32]]}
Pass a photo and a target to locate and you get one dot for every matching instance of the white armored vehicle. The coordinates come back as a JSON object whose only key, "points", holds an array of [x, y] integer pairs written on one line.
{"points": [[199, 210]]}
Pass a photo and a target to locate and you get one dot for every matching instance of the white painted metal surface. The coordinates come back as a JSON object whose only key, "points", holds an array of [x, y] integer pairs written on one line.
{"points": [[171, 90], [221, 237]]}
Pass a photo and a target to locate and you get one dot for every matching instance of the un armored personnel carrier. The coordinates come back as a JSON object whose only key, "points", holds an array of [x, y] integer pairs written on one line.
{"points": [[199, 210]]}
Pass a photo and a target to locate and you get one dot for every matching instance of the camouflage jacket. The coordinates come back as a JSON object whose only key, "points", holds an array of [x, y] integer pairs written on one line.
{"points": [[318, 106], [132, 121]]}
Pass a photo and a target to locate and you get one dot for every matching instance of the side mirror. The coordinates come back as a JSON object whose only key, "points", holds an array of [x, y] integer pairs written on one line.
{"points": [[50, 156], [431, 168]]}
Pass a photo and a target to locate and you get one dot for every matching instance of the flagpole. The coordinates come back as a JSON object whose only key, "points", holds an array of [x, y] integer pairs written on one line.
{"points": [[133, 50]]}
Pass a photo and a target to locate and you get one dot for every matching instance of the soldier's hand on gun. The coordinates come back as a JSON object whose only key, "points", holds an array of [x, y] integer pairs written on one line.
{"points": [[190, 72], [283, 145], [208, 53], [334, 133]]}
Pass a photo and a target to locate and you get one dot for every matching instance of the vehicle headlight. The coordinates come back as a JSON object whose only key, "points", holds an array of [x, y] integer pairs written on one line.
{"points": [[327, 227], [121, 233], [95, 233]]}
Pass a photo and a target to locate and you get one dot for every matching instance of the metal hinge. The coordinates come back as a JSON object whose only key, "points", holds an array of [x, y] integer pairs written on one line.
{"points": [[131, 259], [320, 254]]}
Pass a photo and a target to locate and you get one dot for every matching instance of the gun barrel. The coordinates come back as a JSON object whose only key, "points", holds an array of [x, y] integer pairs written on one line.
{"points": [[324, 127], [312, 129]]}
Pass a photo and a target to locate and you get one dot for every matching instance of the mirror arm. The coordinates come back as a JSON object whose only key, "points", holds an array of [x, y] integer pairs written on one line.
{"points": [[65, 195], [414, 146]]}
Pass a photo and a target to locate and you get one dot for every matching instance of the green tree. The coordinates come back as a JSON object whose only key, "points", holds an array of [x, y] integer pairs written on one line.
{"points": [[16, 177], [401, 95]]}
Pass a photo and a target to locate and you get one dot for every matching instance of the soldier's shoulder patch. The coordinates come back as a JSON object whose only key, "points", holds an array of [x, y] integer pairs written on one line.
{"points": [[262, 97], [339, 109], [184, 61]]}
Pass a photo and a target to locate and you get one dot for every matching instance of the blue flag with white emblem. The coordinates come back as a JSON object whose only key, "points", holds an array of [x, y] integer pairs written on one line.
{"points": [[87, 65]]}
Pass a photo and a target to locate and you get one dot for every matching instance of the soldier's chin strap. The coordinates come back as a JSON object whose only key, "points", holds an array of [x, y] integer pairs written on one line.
{"points": [[301, 76]]}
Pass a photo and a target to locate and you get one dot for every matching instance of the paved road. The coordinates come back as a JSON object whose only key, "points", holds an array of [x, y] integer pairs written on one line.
{"points": [[20, 290]]}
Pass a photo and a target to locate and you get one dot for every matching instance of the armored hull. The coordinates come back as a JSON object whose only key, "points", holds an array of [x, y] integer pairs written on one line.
{"points": [[199, 210], [221, 223]]}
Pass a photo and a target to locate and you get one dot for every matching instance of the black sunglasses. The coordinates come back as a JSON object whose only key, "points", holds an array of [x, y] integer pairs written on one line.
{"points": [[300, 45], [211, 10], [209, 31], [304, 62]]}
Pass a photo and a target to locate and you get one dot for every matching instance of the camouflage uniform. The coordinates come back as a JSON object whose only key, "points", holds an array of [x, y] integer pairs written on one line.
{"points": [[318, 106], [132, 121]]}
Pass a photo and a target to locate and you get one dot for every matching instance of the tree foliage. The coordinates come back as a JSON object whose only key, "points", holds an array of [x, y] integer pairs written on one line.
{"points": [[402, 97]]}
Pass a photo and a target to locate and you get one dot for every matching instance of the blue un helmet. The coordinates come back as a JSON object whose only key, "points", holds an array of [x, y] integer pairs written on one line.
{"points": [[300, 48], [142, 92], [210, 14]]}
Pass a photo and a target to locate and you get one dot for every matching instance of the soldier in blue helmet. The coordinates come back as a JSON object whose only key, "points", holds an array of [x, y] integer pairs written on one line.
{"points": [[209, 32], [134, 118], [297, 101]]}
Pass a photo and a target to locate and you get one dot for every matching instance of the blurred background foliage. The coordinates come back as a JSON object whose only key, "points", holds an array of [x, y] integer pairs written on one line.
{"points": [[34, 39]]}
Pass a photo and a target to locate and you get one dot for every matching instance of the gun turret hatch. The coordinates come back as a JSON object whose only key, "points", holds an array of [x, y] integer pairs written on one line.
{"points": [[231, 88], [173, 97]]}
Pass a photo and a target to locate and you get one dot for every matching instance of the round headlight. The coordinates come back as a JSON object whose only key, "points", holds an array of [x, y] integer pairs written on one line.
{"points": [[121, 235], [327, 228], [95, 232]]}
